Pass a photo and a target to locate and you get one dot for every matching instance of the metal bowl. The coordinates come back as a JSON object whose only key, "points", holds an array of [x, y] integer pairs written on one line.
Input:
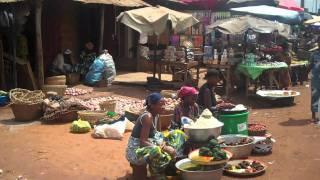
{"points": [[202, 135], [204, 172], [239, 151]]}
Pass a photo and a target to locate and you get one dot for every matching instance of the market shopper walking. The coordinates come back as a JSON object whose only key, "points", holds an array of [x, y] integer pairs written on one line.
{"points": [[145, 134], [315, 82]]}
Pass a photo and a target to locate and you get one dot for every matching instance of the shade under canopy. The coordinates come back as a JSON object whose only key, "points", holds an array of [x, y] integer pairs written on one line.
{"points": [[124, 3], [240, 25], [153, 20], [270, 13]]}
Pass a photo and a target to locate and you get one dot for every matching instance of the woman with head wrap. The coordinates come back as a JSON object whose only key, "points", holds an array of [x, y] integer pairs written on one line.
{"points": [[187, 107], [144, 133]]}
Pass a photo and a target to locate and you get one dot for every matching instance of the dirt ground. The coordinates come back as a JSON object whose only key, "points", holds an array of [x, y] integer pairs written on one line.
{"points": [[50, 152]]}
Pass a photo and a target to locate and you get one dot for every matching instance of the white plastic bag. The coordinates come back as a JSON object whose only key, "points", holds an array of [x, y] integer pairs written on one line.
{"points": [[110, 131]]}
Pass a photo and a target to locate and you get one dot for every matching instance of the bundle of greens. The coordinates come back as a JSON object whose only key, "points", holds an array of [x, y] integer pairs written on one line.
{"points": [[157, 159], [176, 139], [213, 149]]}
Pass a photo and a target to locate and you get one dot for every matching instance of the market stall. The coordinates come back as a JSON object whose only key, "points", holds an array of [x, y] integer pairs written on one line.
{"points": [[258, 58], [154, 21]]}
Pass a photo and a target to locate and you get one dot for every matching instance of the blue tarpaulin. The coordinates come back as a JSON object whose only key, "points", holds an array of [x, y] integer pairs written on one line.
{"points": [[271, 13]]}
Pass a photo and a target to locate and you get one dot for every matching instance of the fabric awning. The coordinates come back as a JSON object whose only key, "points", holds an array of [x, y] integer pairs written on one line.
{"points": [[290, 4], [244, 3], [315, 19], [124, 3], [240, 25], [271, 13], [154, 20]]}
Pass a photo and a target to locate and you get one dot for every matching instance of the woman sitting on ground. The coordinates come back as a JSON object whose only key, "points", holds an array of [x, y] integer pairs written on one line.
{"points": [[144, 134], [187, 107]]}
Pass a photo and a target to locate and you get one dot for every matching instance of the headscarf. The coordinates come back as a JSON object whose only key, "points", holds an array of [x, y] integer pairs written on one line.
{"points": [[187, 91], [153, 98]]}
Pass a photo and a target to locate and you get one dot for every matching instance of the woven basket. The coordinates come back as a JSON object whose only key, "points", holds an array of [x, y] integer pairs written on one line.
{"points": [[61, 117], [168, 93], [109, 105], [73, 78], [56, 80], [164, 122], [60, 89], [91, 116], [27, 112], [132, 116]]}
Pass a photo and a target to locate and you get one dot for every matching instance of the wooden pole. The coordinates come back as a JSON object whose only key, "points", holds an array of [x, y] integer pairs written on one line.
{"points": [[302, 3], [101, 28], [2, 75], [39, 50], [13, 37]]}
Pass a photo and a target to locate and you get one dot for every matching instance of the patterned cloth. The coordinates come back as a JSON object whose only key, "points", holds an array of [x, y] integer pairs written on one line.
{"points": [[315, 80], [191, 112]]}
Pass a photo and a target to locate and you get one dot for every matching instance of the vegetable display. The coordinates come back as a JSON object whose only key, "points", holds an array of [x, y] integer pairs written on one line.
{"points": [[213, 149], [157, 159], [241, 141], [245, 167], [77, 91], [176, 139]]}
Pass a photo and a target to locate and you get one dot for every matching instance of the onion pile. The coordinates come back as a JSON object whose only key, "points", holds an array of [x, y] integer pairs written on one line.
{"points": [[77, 91]]}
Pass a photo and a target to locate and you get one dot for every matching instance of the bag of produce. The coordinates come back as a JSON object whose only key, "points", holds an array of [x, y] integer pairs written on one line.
{"points": [[157, 159], [176, 139], [80, 126], [110, 131]]}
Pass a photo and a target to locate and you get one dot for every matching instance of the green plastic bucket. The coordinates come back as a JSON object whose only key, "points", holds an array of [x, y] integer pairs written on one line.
{"points": [[234, 123]]}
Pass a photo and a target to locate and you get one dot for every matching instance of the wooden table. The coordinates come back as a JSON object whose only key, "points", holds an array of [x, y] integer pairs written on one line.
{"points": [[182, 65], [228, 68]]}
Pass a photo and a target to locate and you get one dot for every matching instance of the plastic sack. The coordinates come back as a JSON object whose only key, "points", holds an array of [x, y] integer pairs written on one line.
{"points": [[110, 69], [96, 71], [80, 126], [110, 131]]}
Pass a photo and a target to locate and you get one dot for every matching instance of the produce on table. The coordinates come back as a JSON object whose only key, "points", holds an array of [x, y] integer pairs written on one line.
{"points": [[245, 167], [257, 129], [123, 103], [170, 104], [213, 149], [241, 141], [225, 105], [266, 141], [77, 91]]}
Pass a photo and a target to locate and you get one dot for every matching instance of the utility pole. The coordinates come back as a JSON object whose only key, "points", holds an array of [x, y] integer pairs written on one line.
{"points": [[302, 3]]}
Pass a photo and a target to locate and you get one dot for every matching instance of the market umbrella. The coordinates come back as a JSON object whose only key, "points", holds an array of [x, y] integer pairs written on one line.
{"points": [[271, 13], [290, 4], [240, 25], [154, 20], [315, 19], [244, 3]]}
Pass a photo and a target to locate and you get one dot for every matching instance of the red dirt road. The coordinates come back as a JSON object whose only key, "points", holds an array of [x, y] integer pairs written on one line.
{"points": [[50, 152]]}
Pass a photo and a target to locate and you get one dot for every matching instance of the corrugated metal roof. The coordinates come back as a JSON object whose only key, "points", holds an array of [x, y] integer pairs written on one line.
{"points": [[125, 3]]}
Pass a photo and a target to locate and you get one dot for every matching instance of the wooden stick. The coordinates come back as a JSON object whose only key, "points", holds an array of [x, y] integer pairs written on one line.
{"points": [[101, 28], [39, 50]]}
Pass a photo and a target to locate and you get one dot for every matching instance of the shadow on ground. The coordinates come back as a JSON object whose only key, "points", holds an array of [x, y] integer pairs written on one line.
{"points": [[295, 122]]}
